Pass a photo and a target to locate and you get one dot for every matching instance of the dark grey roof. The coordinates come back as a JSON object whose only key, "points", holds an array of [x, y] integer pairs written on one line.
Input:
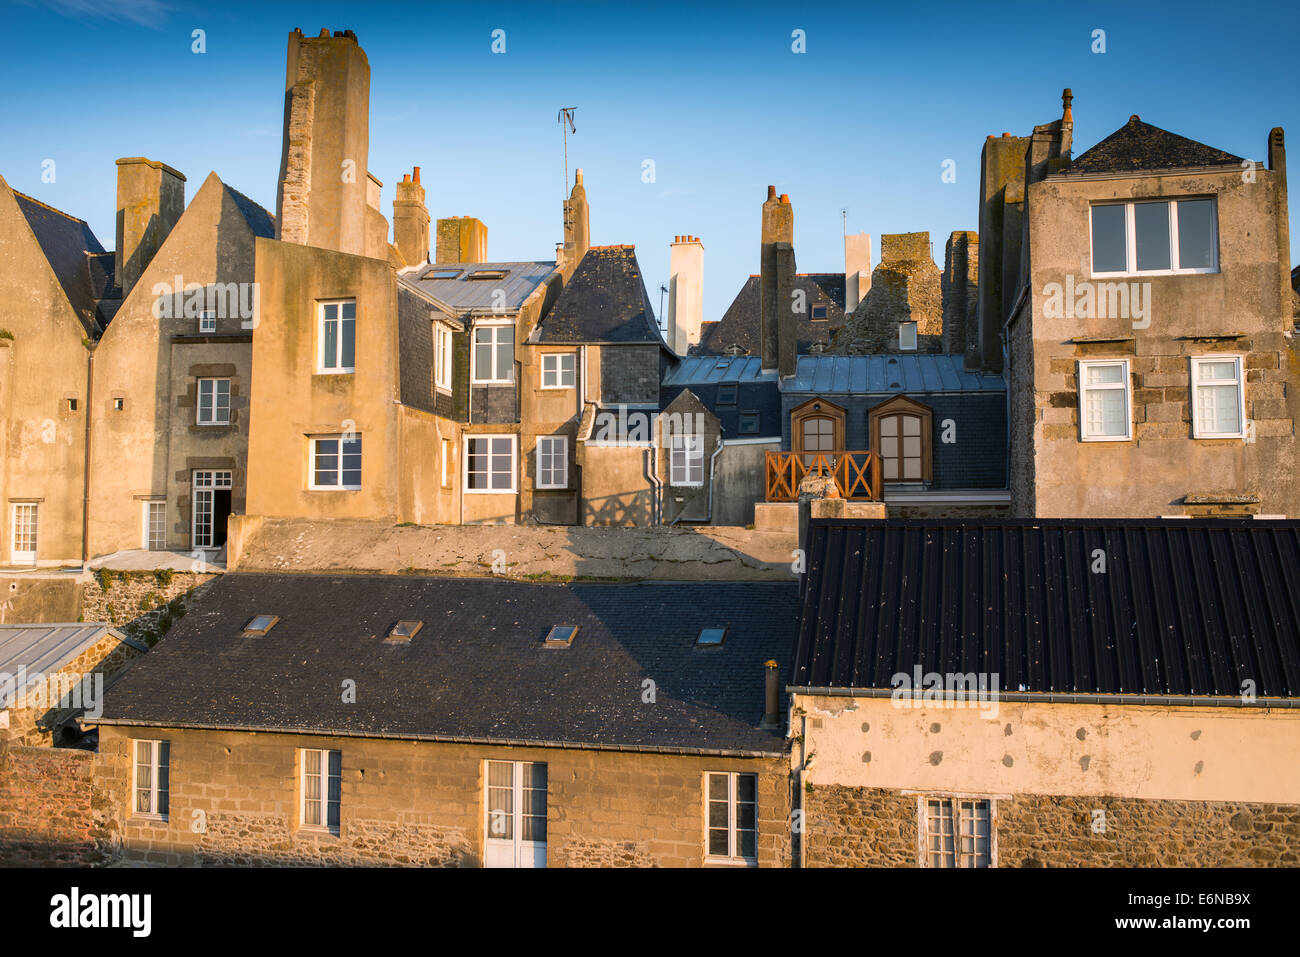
{"points": [[460, 294], [74, 254], [478, 669], [1138, 146], [605, 301], [259, 219], [877, 374], [1184, 607], [702, 370], [740, 324]]}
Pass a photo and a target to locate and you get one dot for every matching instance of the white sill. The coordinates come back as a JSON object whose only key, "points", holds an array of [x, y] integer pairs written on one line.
{"points": [[490, 491], [442, 389], [1215, 435], [347, 371], [334, 488], [492, 382], [686, 485], [1153, 272], [730, 861], [212, 425], [139, 817], [312, 830], [552, 488], [557, 388], [1105, 438]]}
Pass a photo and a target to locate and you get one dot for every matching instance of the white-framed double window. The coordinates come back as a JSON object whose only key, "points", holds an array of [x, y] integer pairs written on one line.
{"points": [[907, 337], [490, 463], [686, 460], [207, 486], [731, 809], [1154, 237], [1218, 397], [337, 336], [1105, 400], [149, 778], [558, 370], [494, 353], [213, 402], [335, 462], [553, 461], [514, 808], [442, 352], [24, 517], [322, 788], [957, 832], [208, 321], [155, 526]]}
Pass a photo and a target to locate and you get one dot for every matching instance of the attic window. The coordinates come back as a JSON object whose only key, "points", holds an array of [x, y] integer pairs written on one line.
{"points": [[443, 273], [561, 636], [711, 638], [261, 624], [727, 393], [749, 423], [487, 274], [404, 630], [819, 312]]}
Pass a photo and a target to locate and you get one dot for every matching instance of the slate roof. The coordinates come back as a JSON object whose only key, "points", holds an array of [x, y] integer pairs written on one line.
{"points": [[478, 670], [1186, 608], [460, 294], [708, 370], [76, 257], [259, 219], [604, 302], [1138, 146], [882, 374], [740, 324], [43, 649]]}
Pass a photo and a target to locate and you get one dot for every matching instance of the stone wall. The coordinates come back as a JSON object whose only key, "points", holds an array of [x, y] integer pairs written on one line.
{"points": [[905, 287], [848, 826], [51, 812], [25, 599], [961, 263], [139, 604]]}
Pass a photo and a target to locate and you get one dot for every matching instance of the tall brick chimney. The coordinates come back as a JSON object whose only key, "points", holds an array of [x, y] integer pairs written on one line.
{"points": [[776, 281], [150, 199], [577, 228], [685, 293], [411, 220], [322, 199], [461, 239]]}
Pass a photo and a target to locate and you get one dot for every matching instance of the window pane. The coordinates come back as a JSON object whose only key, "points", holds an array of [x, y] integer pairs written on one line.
{"points": [[1217, 408], [718, 814], [747, 844], [718, 842], [1099, 374], [1108, 252], [1196, 240], [347, 358], [331, 348], [1152, 223], [747, 788], [352, 462], [1105, 411]]}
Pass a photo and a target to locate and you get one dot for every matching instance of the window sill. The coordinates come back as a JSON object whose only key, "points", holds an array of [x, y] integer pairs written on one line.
{"points": [[147, 820], [552, 488], [1157, 273], [318, 833], [334, 488], [1105, 438], [686, 485], [491, 491], [730, 862], [351, 371]]}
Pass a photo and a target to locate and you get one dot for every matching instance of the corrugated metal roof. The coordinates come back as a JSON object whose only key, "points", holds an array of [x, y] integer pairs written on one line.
{"points": [[708, 370], [44, 648], [1183, 607], [824, 374], [460, 293]]}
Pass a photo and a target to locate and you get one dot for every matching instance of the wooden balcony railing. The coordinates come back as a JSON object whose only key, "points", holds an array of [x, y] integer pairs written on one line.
{"points": [[856, 474]]}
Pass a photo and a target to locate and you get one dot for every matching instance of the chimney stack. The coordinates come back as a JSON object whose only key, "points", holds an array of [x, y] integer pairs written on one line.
{"points": [[577, 226], [411, 220], [776, 313], [685, 293], [150, 200], [771, 696], [461, 239], [857, 270], [324, 181]]}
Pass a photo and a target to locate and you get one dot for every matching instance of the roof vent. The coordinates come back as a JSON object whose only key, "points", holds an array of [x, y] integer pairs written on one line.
{"points": [[561, 636], [711, 637], [404, 630], [260, 624]]}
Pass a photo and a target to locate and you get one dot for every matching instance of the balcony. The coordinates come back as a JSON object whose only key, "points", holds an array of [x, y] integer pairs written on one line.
{"points": [[856, 475]]}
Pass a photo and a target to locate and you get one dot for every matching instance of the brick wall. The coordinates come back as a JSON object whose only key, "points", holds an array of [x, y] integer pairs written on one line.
{"points": [[51, 812], [877, 827]]}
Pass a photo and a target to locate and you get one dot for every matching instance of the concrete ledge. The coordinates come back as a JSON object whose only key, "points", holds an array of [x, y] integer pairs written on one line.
{"points": [[845, 508], [776, 516]]}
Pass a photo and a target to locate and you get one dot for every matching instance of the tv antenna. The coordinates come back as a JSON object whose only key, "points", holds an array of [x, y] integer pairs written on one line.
{"points": [[663, 289], [565, 119]]}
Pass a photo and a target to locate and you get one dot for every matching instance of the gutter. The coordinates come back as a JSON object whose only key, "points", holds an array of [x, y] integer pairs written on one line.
{"points": [[1031, 697]]}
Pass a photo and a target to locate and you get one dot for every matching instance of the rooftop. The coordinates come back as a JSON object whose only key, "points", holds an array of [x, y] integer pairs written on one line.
{"points": [[456, 288], [1139, 147], [44, 648], [884, 374], [604, 302]]}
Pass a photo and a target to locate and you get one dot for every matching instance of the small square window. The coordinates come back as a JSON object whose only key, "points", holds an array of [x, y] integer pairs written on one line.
{"points": [[819, 312], [749, 423], [907, 337], [561, 636], [208, 322], [711, 637], [261, 624], [727, 393], [72, 405], [119, 405]]}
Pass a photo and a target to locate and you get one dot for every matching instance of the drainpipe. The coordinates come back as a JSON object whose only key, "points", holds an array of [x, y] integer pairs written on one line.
{"points": [[708, 517], [85, 487]]}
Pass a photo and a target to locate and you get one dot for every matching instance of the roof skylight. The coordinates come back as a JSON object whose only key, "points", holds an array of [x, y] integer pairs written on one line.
{"points": [[561, 636], [260, 624], [711, 637]]}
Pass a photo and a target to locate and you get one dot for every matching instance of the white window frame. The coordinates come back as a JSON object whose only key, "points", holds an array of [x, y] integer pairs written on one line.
{"points": [[24, 556], [329, 365], [512, 851], [1127, 385], [733, 855], [212, 409], [955, 802], [684, 450], [906, 343], [203, 484], [553, 366], [495, 376], [1130, 237], [562, 481], [514, 464], [147, 539], [322, 779], [312, 483], [442, 355], [207, 321], [156, 794], [1195, 362]]}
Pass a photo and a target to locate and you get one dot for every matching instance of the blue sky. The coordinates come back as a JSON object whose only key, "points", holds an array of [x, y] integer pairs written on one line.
{"points": [[712, 93]]}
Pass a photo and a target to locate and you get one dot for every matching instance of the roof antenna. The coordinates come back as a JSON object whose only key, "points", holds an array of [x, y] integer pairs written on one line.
{"points": [[565, 119], [663, 288], [844, 222]]}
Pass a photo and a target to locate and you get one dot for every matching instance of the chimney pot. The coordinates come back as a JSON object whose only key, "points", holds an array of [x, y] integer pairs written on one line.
{"points": [[577, 177], [785, 197], [416, 175], [324, 31], [771, 192], [1006, 136], [406, 177]]}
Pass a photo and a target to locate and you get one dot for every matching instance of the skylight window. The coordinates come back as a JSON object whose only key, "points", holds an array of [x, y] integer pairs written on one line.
{"points": [[487, 274], [711, 637], [561, 636], [261, 624], [404, 630], [443, 273]]}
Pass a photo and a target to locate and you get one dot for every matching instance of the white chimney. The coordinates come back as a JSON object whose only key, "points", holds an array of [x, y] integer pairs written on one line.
{"points": [[857, 270], [685, 293]]}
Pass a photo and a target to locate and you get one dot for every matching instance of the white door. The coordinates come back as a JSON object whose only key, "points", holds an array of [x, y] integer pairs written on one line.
{"points": [[515, 806], [23, 545]]}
